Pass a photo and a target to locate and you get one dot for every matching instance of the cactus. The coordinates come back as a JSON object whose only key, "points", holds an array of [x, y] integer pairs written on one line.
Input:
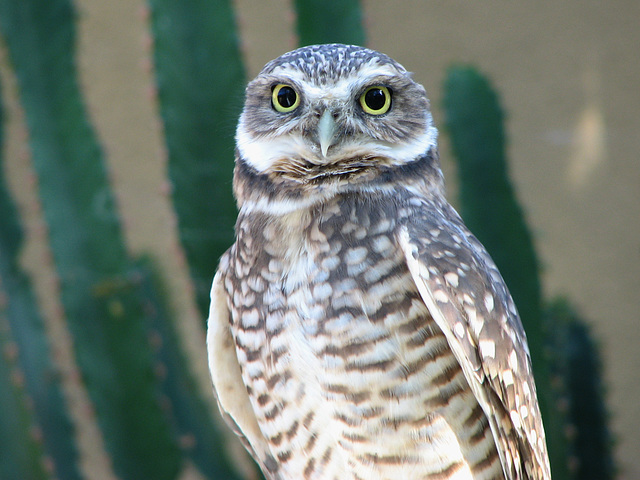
{"points": [[575, 360], [199, 96], [26, 336], [557, 339], [329, 21], [21, 455], [203, 442], [103, 310], [200, 79], [474, 122]]}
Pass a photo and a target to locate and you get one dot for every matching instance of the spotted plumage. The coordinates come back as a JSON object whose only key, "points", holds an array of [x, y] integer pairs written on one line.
{"points": [[358, 330]]}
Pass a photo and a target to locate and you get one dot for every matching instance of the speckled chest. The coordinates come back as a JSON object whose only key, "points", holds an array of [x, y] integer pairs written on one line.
{"points": [[320, 298], [321, 272], [345, 368]]}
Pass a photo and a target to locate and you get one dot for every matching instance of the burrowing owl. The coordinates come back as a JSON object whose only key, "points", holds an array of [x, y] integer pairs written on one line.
{"points": [[358, 330]]}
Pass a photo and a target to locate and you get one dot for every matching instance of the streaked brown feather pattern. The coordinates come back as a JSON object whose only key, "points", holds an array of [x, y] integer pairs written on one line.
{"points": [[358, 330]]}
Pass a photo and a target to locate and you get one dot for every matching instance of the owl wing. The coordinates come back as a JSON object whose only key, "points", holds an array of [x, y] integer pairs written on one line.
{"points": [[469, 301], [228, 385]]}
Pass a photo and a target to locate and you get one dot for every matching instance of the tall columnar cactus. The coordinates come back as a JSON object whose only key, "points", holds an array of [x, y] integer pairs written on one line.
{"points": [[329, 21], [474, 121], [200, 83], [103, 309], [204, 443], [24, 359], [575, 361], [558, 341], [200, 79], [21, 456]]}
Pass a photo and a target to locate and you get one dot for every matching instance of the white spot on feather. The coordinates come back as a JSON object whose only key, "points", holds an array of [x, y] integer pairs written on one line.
{"points": [[471, 314], [515, 418], [488, 301], [507, 377], [452, 279], [488, 348], [250, 318], [440, 296], [513, 361], [459, 329], [255, 283], [330, 263], [381, 244], [275, 265], [322, 291], [355, 255], [251, 339], [383, 226]]}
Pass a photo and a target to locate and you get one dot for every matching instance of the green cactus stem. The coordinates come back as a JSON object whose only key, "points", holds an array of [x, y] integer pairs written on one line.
{"points": [[25, 329], [202, 440], [104, 314], [474, 122], [21, 454], [200, 79], [329, 21], [575, 359]]}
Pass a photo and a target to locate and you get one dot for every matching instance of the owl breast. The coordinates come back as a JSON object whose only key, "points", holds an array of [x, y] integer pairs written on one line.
{"points": [[348, 374]]}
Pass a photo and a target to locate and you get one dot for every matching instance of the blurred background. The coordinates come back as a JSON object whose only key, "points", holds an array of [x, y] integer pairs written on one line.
{"points": [[568, 77]]}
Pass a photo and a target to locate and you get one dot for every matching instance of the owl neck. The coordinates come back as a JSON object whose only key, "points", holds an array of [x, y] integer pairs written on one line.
{"points": [[272, 193]]}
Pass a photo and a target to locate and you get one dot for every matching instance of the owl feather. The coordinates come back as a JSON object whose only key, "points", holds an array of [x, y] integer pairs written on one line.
{"points": [[357, 329]]}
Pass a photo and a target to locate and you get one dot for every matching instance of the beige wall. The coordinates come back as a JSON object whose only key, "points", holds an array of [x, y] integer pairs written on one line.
{"points": [[568, 73]]}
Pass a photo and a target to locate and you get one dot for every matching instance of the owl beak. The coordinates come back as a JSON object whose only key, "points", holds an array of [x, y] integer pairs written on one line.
{"points": [[326, 131]]}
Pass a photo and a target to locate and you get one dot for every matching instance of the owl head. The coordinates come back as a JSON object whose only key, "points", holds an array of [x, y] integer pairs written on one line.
{"points": [[331, 115]]}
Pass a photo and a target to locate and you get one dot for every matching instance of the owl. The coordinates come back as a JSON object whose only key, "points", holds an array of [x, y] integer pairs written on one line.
{"points": [[357, 329]]}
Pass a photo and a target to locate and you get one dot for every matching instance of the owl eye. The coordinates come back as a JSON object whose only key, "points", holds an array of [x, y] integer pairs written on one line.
{"points": [[284, 98], [376, 100]]}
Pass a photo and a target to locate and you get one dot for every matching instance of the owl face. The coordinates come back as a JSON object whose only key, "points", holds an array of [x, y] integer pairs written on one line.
{"points": [[326, 111]]}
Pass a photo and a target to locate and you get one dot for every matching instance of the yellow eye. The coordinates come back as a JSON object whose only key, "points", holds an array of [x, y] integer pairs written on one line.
{"points": [[376, 100], [284, 98]]}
